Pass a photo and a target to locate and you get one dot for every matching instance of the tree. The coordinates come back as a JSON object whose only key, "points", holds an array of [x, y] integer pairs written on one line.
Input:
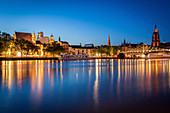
{"points": [[20, 45], [5, 42], [30, 47], [54, 49], [115, 49], [24, 45], [101, 50], [108, 50]]}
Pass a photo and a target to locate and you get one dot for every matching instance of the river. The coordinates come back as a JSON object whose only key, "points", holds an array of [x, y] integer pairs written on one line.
{"points": [[85, 86]]}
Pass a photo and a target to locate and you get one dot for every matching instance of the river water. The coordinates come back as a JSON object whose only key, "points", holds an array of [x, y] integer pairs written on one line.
{"points": [[85, 86]]}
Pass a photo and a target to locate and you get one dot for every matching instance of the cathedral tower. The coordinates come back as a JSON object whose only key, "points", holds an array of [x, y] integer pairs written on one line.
{"points": [[155, 38]]}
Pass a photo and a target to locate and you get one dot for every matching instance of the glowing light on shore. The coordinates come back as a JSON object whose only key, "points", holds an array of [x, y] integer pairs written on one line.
{"points": [[19, 54], [143, 56], [42, 53]]}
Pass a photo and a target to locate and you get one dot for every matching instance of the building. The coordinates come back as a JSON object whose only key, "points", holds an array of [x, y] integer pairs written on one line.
{"points": [[22, 35], [88, 49], [128, 46], [108, 42], [155, 38], [30, 37], [139, 47], [156, 41], [64, 44], [51, 39], [40, 34], [43, 39]]}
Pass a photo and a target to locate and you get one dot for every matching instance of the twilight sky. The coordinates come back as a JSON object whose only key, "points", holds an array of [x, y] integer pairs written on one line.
{"points": [[88, 21]]}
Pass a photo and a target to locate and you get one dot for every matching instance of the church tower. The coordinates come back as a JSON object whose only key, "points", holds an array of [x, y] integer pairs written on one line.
{"points": [[108, 42], [155, 38], [33, 38], [51, 39]]}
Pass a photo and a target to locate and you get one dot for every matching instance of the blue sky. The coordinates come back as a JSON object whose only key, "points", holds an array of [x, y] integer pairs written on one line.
{"points": [[88, 21]]}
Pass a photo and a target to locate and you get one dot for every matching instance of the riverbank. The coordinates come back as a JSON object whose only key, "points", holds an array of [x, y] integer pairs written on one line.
{"points": [[57, 58], [28, 58]]}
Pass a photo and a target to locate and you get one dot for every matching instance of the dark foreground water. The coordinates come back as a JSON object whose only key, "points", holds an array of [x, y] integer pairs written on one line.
{"points": [[85, 86]]}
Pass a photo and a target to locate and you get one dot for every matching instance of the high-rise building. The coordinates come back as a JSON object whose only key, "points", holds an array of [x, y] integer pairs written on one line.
{"points": [[108, 42], [155, 38]]}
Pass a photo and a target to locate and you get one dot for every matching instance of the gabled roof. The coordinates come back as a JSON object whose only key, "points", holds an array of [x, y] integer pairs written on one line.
{"points": [[75, 46], [22, 35], [89, 45]]}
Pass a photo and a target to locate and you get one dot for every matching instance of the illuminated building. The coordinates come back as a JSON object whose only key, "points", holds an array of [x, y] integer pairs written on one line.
{"points": [[43, 39], [134, 50], [39, 34], [155, 38], [128, 46], [51, 39], [88, 49]]}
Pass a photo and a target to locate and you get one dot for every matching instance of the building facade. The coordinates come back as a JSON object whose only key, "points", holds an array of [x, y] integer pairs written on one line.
{"points": [[43, 39], [88, 49]]}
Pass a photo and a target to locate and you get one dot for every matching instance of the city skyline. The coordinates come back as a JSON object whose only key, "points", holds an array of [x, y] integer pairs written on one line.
{"points": [[92, 23]]}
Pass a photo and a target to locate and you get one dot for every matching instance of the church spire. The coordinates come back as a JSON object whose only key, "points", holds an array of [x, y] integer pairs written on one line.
{"points": [[59, 39], [33, 37], [156, 28], [124, 41], [33, 34], [108, 42]]}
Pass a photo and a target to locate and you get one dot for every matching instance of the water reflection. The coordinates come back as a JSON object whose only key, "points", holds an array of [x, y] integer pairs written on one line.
{"points": [[106, 81], [96, 98]]}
